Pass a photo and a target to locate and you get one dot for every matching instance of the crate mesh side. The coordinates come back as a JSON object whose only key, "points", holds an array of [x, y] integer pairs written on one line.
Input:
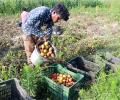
{"points": [[5, 92], [59, 91], [54, 88]]}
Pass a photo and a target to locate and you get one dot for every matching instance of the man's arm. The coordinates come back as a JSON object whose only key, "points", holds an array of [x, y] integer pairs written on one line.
{"points": [[35, 21]]}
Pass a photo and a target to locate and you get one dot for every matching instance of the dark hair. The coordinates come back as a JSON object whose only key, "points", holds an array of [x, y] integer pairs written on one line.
{"points": [[62, 11], [24, 9]]}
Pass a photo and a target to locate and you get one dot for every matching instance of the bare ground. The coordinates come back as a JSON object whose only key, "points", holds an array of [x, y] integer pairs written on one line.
{"points": [[82, 23]]}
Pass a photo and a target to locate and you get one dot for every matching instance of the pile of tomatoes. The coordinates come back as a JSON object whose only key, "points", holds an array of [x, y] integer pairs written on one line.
{"points": [[46, 50], [64, 79]]}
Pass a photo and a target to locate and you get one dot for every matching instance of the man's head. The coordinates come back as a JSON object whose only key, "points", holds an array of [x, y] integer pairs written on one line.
{"points": [[59, 12]]}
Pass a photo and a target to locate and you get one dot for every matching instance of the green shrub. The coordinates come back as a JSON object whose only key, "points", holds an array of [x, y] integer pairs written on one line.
{"points": [[29, 78], [90, 3], [105, 88], [14, 6]]}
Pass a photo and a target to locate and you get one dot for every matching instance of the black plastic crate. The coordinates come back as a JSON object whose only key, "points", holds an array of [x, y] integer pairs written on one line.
{"points": [[10, 90], [88, 68]]}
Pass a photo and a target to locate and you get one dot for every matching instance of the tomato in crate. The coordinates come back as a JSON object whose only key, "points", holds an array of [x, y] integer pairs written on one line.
{"points": [[61, 82]]}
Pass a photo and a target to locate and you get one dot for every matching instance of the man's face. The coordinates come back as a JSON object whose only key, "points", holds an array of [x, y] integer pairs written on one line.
{"points": [[55, 17]]}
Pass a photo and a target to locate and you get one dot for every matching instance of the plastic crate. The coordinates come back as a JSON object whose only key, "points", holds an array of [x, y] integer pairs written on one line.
{"points": [[89, 69], [9, 91], [62, 92]]}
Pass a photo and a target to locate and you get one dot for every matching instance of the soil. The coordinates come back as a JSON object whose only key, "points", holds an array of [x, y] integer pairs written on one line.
{"points": [[10, 34], [10, 39]]}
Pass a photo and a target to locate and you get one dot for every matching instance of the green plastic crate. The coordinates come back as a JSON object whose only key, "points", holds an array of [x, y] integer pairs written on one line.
{"points": [[62, 92]]}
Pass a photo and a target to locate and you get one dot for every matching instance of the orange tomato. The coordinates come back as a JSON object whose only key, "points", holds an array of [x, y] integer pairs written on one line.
{"points": [[48, 54], [52, 55], [42, 54]]}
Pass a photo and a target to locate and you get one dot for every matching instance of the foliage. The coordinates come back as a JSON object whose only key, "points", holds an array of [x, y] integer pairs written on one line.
{"points": [[75, 41], [8, 72], [106, 87], [14, 6], [29, 78], [90, 3]]}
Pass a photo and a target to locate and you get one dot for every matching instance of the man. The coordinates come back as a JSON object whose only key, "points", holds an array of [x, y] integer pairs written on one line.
{"points": [[33, 21]]}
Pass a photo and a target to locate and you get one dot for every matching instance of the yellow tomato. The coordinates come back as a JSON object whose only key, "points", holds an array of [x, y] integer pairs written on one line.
{"points": [[42, 46], [45, 51], [50, 49], [46, 43], [47, 46], [42, 54]]}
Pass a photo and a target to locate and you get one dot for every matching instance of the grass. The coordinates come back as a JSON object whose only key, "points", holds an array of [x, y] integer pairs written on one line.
{"points": [[106, 87], [14, 6], [72, 43]]}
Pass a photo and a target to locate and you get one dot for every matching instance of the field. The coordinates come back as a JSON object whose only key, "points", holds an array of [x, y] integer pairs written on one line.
{"points": [[92, 30]]}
